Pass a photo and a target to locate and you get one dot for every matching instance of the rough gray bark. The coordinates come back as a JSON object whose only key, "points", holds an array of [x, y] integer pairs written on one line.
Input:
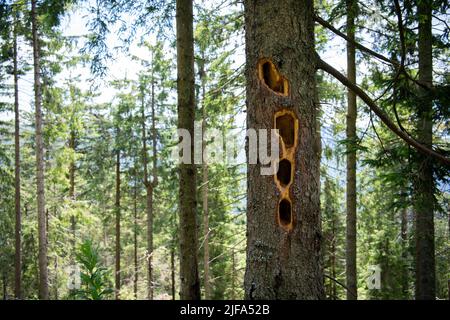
{"points": [[42, 226], [424, 183], [350, 252], [283, 247], [18, 223], [190, 284]]}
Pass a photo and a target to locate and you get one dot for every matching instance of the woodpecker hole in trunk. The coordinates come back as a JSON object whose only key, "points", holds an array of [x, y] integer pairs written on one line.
{"points": [[284, 173], [286, 126], [272, 78], [285, 213]]}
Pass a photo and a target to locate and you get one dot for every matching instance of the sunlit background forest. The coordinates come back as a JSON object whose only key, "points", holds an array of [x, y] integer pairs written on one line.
{"points": [[109, 102]]}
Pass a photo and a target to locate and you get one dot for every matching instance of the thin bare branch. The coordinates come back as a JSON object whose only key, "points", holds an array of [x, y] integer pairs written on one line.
{"points": [[358, 45], [381, 114]]}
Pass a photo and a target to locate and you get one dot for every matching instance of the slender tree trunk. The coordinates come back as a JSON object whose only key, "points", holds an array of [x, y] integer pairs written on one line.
{"points": [[333, 259], [136, 270], [46, 223], [118, 218], [56, 279], [350, 253], [72, 146], [149, 186], [148, 201], [190, 284], [405, 276], [172, 270], [73, 222], [154, 183], [205, 187], [233, 275], [42, 227], [206, 231], [149, 204], [18, 225], [330, 249], [424, 184], [284, 258]]}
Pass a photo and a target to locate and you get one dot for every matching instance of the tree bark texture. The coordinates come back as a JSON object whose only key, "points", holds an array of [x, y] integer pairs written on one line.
{"points": [[424, 184], [42, 225], [190, 284], [18, 222], [350, 252], [283, 210]]}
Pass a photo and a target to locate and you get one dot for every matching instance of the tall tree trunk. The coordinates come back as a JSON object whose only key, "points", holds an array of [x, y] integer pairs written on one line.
{"points": [[233, 275], [154, 183], [42, 227], [404, 231], [73, 222], [148, 200], [172, 270], [333, 258], [350, 252], [424, 184], [56, 278], [190, 284], [149, 186], [149, 207], [330, 249], [118, 218], [72, 146], [18, 225], [283, 211], [136, 270], [205, 187], [206, 231]]}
